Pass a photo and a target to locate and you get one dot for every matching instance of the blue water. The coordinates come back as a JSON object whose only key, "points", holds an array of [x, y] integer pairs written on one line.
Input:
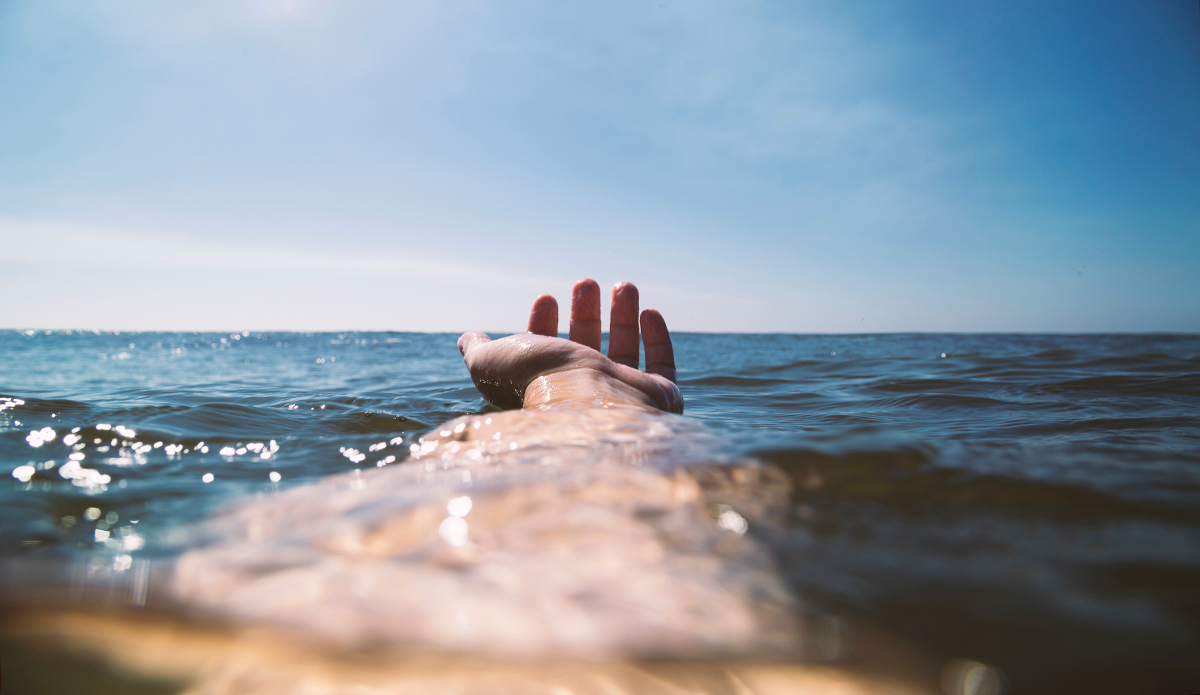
{"points": [[1031, 502]]}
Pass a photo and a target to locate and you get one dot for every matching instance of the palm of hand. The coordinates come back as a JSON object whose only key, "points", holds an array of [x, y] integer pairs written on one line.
{"points": [[504, 369]]}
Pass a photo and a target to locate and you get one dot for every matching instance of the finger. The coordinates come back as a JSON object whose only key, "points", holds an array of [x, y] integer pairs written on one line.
{"points": [[623, 325], [470, 339], [585, 313], [543, 318], [660, 355]]}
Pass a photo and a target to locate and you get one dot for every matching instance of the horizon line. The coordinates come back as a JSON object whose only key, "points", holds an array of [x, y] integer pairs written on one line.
{"points": [[243, 332]]}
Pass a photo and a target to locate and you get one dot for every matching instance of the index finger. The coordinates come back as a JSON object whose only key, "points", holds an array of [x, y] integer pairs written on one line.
{"points": [[543, 318]]}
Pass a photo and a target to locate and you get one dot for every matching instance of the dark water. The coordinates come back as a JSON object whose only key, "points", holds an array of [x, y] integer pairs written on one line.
{"points": [[1030, 502]]}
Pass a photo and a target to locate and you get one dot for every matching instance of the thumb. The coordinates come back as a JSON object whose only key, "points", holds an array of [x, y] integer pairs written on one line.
{"points": [[471, 339]]}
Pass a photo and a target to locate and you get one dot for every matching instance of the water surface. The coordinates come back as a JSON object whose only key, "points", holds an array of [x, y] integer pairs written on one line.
{"points": [[1029, 502]]}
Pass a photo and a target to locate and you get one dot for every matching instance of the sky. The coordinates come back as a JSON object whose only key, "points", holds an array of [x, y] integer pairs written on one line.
{"points": [[752, 166]]}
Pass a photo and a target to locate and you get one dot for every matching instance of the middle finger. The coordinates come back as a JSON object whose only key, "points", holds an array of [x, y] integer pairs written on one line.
{"points": [[623, 325], [585, 313]]}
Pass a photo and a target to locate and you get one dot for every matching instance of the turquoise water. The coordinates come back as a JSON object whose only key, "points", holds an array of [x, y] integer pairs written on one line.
{"points": [[1030, 502]]}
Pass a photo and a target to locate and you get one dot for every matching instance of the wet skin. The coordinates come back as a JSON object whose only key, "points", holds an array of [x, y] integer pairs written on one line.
{"points": [[538, 370]]}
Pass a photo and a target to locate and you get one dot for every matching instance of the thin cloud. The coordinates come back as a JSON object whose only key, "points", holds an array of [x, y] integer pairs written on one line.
{"points": [[41, 243]]}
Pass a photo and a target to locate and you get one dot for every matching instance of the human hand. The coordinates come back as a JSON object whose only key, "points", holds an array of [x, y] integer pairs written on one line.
{"points": [[539, 369]]}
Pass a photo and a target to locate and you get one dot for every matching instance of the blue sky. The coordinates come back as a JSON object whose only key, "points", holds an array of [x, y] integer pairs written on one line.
{"points": [[753, 166]]}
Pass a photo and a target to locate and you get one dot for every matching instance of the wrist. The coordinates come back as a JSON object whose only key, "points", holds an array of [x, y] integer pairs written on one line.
{"points": [[583, 387]]}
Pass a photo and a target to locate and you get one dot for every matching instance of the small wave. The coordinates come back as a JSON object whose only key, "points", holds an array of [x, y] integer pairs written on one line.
{"points": [[941, 401], [919, 385], [909, 479], [798, 364], [368, 422], [33, 407], [1057, 355], [1126, 385], [735, 381], [1100, 426]]}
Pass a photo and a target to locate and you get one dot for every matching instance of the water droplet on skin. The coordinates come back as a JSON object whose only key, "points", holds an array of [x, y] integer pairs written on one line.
{"points": [[453, 531], [730, 520], [459, 506]]}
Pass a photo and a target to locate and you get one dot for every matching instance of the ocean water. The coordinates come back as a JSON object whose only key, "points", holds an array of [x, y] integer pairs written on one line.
{"points": [[1028, 502]]}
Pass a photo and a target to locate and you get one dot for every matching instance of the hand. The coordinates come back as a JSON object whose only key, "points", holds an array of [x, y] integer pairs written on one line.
{"points": [[539, 370]]}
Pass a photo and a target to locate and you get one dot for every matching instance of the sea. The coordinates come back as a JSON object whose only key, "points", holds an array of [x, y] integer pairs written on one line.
{"points": [[1026, 503]]}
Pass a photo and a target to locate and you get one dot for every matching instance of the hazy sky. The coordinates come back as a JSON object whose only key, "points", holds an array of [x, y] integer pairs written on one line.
{"points": [[753, 166]]}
